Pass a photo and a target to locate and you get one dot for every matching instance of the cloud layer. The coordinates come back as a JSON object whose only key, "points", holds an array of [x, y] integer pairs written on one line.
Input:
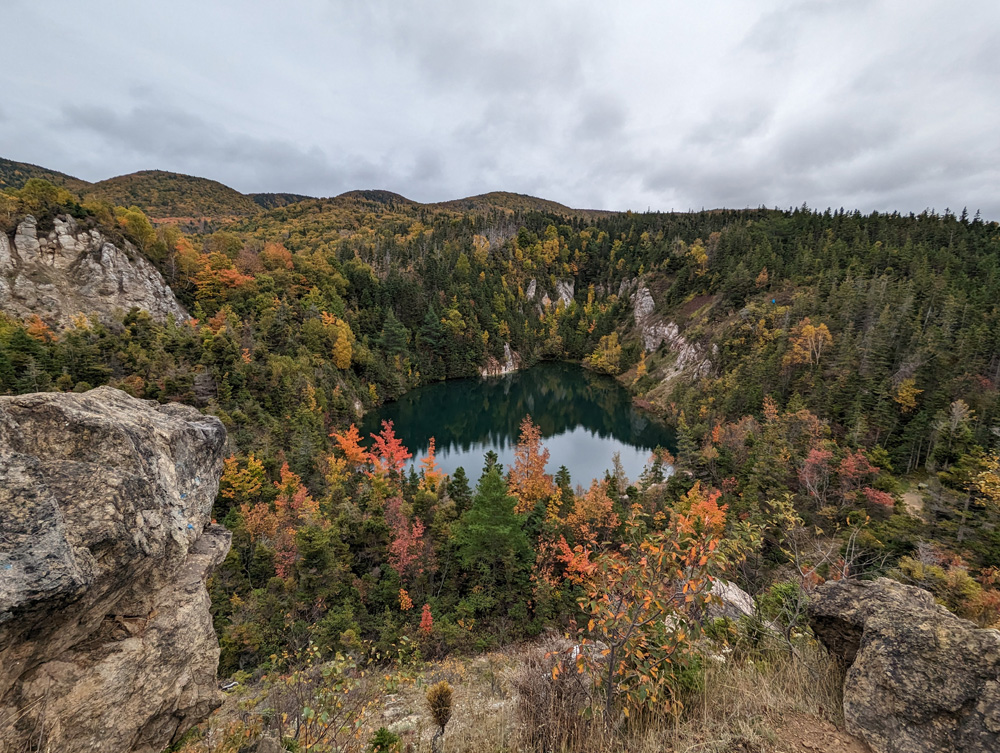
{"points": [[869, 104]]}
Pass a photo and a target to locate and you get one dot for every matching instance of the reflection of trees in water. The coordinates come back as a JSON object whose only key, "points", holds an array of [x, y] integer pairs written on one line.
{"points": [[469, 412]]}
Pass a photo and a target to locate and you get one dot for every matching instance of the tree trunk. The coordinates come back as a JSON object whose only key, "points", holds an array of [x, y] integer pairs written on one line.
{"points": [[609, 692]]}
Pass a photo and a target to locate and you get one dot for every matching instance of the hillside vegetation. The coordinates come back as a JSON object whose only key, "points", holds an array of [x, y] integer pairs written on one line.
{"points": [[163, 195], [275, 200], [843, 421], [13, 175]]}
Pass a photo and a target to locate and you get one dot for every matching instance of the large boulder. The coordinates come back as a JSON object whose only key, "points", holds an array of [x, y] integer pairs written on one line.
{"points": [[71, 270], [919, 679], [106, 641]]}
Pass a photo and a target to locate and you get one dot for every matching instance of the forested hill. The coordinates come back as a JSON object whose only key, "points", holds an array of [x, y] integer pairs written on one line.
{"points": [[516, 202], [14, 175], [275, 200], [817, 365], [164, 195]]}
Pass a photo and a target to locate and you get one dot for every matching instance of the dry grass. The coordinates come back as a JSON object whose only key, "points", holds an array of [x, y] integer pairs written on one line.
{"points": [[506, 701]]}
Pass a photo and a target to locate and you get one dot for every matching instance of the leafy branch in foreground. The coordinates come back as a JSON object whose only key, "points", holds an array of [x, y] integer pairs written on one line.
{"points": [[642, 600]]}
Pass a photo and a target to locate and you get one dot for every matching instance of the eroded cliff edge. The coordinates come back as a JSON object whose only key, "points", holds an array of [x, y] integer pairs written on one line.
{"points": [[75, 269], [106, 641]]}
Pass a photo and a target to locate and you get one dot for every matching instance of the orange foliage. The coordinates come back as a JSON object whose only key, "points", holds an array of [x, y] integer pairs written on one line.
{"points": [[276, 256], [39, 330], [259, 520], [350, 444], [294, 504], [405, 602], [388, 454], [432, 472], [593, 515], [528, 480], [630, 593]]}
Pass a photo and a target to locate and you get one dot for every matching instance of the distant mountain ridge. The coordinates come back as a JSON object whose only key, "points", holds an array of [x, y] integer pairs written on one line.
{"points": [[187, 199], [16, 174], [166, 195]]}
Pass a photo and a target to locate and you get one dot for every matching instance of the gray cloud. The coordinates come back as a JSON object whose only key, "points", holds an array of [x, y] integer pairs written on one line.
{"points": [[874, 104]]}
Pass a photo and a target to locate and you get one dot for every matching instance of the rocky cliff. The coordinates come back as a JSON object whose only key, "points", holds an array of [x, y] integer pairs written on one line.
{"points": [[919, 678], [691, 358], [106, 641], [511, 362], [71, 270]]}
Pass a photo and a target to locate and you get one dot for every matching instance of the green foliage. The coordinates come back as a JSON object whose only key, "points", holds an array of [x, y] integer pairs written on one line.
{"points": [[384, 741], [162, 195], [491, 543]]}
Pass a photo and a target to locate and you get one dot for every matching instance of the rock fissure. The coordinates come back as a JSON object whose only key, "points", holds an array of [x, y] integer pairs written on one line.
{"points": [[918, 677]]}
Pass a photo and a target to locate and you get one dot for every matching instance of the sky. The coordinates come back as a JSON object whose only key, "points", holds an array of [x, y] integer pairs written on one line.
{"points": [[889, 105]]}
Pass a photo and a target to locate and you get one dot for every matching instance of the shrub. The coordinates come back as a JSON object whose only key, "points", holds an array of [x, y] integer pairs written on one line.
{"points": [[551, 705], [439, 703], [384, 741]]}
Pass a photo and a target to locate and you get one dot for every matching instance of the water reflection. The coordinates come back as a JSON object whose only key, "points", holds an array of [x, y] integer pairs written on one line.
{"points": [[584, 417]]}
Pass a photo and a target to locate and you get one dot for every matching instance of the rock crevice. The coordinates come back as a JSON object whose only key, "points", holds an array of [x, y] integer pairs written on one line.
{"points": [[918, 677]]}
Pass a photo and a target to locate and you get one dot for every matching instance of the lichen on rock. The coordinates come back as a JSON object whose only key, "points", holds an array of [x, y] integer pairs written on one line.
{"points": [[106, 640], [918, 677]]}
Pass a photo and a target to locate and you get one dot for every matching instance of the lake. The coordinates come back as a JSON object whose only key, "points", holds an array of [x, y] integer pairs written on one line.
{"points": [[585, 418]]}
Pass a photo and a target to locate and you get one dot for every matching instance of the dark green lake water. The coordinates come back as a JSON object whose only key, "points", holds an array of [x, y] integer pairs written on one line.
{"points": [[584, 417]]}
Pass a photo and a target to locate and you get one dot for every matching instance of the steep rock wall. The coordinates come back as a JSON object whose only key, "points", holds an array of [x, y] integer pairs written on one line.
{"points": [[71, 270], [692, 359]]}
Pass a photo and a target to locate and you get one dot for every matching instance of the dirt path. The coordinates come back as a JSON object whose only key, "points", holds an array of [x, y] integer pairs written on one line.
{"points": [[802, 733]]}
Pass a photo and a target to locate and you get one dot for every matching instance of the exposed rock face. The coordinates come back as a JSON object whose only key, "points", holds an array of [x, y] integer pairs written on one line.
{"points": [[919, 678], [106, 639], [729, 601], [692, 360], [71, 270], [530, 292], [564, 292], [510, 363]]}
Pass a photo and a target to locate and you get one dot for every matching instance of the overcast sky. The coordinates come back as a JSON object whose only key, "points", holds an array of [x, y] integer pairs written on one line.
{"points": [[666, 104]]}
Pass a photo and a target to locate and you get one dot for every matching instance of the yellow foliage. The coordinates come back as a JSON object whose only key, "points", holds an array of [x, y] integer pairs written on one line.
{"points": [[808, 341], [906, 395], [606, 357]]}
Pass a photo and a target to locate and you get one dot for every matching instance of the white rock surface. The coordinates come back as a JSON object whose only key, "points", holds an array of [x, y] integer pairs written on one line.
{"points": [[72, 270], [691, 357]]}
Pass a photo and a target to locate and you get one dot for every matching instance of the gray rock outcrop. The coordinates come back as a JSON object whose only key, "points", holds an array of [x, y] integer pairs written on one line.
{"points": [[691, 358], [564, 292], [511, 362], [71, 270], [919, 678], [729, 601], [106, 640]]}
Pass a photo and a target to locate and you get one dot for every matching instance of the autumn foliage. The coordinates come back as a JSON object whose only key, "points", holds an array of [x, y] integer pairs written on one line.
{"points": [[643, 597], [528, 480]]}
